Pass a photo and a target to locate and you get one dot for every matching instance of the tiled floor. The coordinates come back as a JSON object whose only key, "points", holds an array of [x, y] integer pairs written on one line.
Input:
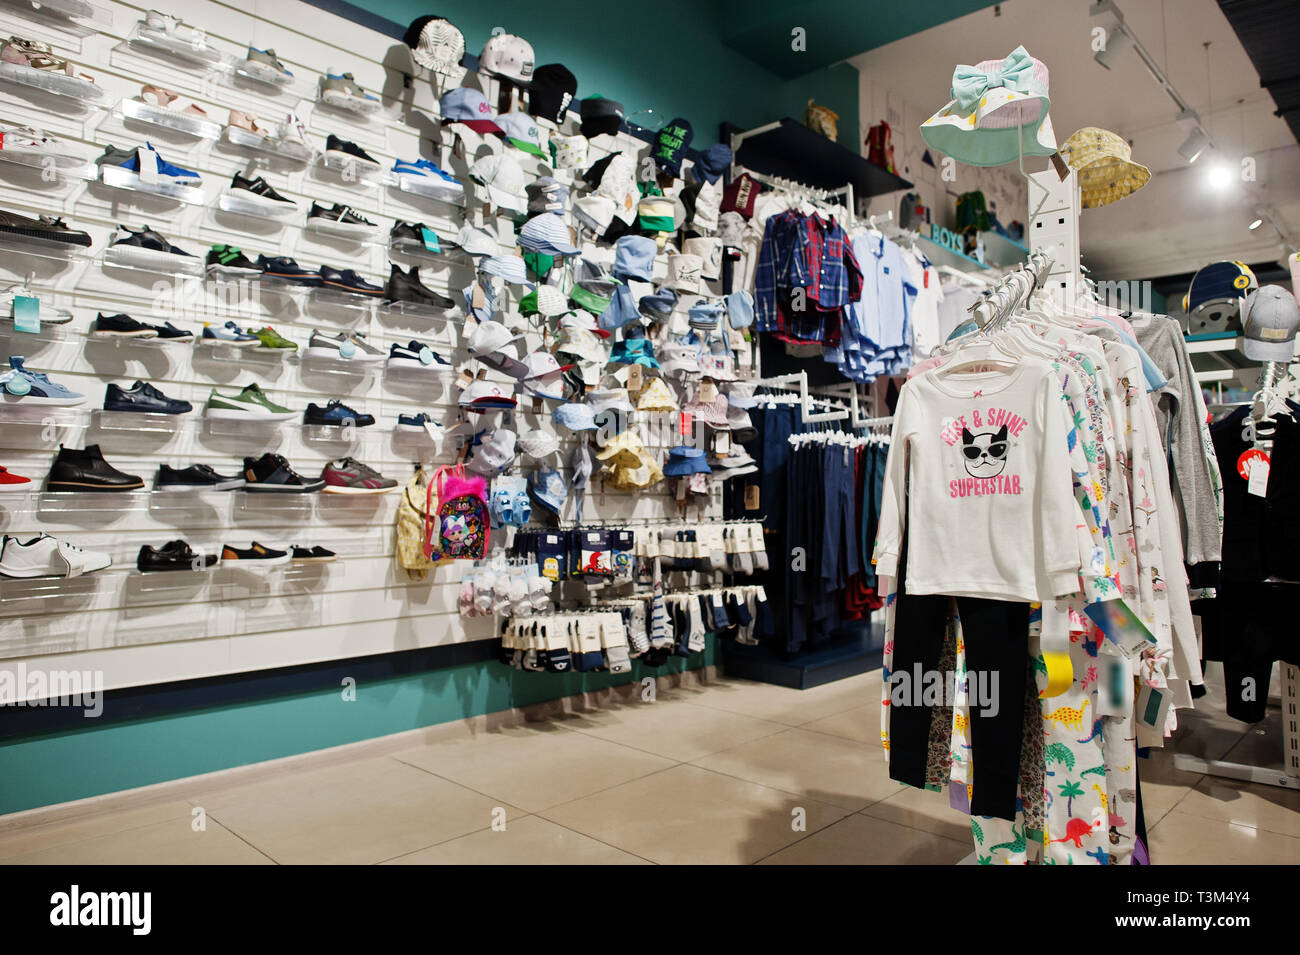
{"points": [[717, 771]]}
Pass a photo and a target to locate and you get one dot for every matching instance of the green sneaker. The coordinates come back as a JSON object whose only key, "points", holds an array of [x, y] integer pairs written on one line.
{"points": [[252, 402], [270, 338]]}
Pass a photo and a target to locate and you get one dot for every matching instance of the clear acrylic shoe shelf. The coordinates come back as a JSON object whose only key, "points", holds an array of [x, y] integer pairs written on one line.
{"points": [[262, 357], [429, 187], [261, 73], [83, 93], [417, 310], [242, 202], [194, 50], [138, 422], [339, 299], [74, 17], [151, 260], [352, 172], [52, 251], [199, 127], [356, 106], [267, 146], [413, 249], [360, 234], [119, 342], [58, 165], [119, 178]]}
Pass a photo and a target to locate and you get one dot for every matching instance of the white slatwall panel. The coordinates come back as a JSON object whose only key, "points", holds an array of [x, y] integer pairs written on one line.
{"points": [[146, 629]]}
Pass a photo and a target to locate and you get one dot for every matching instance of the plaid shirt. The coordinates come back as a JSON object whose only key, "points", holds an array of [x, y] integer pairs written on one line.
{"points": [[808, 257]]}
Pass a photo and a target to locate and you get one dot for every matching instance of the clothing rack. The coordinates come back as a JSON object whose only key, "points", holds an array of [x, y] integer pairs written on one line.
{"points": [[1012, 291], [803, 191], [808, 402]]}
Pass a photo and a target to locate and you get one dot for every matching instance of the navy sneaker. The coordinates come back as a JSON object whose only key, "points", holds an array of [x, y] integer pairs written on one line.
{"points": [[342, 149], [418, 356], [283, 267], [142, 398], [335, 414], [413, 422], [271, 473], [146, 238], [348, 281], [196, 477], [167, 332], [120, 326]]}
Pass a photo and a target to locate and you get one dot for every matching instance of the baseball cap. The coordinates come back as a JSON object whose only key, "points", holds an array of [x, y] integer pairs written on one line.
{"points": [[545, 300], [547, 194], [712, 163], [508, 56], [670, 145], [542, 376], [548, 488], [504, 180], [596, 212], [547, 233], [538, 444], [483, 395], [658, 305], [609, 399], [475, 241], [509, 267], [1271, 316], [437, 45], [469, 106], [551, 92], [491, 337], [522, 133], [494, 452], [582, 321], [575, 417], [600, 115], [634, 257]]}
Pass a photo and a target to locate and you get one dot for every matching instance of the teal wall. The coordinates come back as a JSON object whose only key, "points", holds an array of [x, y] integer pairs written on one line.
{"points": [[667, 55], [75, 764]]}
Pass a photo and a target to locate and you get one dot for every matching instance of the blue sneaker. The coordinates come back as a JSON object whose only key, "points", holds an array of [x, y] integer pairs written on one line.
{"points": [[142, 398], [166, 169], [32, 387], [437, 179], [229, 334], [286, 269], [414, 422]]}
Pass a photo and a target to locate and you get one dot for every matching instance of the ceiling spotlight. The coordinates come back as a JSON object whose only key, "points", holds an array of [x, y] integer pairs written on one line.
{"points": [[1255, 223], [1117, 41], [1219, 176], [1197, 138]]}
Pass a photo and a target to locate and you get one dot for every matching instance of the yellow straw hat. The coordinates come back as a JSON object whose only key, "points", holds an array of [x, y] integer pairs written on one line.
{"points": [[1104, 161]]}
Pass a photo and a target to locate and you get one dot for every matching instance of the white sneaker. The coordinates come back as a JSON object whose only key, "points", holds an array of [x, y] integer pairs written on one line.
{"points": [[44, 556], [292, 132]]}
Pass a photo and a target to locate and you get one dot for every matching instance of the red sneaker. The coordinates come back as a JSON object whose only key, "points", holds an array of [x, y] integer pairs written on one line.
{"points": [[13, 482]]}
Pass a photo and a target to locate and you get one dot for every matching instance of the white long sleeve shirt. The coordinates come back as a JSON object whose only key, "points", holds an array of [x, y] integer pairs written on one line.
{"points": [[979, 479]]}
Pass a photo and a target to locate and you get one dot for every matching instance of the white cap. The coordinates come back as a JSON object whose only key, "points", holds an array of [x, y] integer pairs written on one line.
{"points": [[477, 241], [504, 179], [495, 452], [510, 56], [539, 444]]}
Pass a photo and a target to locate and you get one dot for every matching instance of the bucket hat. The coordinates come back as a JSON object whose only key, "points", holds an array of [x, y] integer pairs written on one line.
{"points": [[1104, 161], [656, 397], [997, 108], [684, 460], [548, 489], [634, 351]]}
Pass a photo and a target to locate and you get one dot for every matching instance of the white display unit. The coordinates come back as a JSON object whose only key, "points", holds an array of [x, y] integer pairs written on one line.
{"points": [[140, 630]]}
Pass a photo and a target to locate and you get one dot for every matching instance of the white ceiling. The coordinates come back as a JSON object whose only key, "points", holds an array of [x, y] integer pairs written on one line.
{"points": [[1178, 222]]}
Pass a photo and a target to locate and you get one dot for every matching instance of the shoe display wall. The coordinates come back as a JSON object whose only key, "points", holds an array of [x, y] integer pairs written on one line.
{"points": [[266, 327]]}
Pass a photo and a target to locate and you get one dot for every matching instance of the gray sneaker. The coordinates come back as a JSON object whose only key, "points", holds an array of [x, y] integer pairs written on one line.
{"points": [[268, 60], [342, 347], [350, 476], [342, 89]]}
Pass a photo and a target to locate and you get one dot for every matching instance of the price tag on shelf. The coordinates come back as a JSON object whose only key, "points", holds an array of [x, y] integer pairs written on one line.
{"points": [[430, 239]]}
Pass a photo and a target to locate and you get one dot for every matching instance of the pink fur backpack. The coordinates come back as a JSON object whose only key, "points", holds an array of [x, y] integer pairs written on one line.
{"points": [[456, 522]]}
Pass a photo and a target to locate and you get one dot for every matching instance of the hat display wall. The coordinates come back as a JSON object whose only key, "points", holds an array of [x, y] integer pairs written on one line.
{"points": [[1104, 162], [998, 109]]}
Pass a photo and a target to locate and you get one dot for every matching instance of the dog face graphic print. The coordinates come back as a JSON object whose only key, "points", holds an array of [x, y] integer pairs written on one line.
{"points": [[984, 453]]}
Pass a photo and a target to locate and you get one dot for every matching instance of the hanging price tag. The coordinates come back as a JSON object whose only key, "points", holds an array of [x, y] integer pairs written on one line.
{"points": [[722, 442], [708, 393], [430, 239], [751, 497], [1257, 483], [1247, 460], [684, 424], [634, 376], [27, 313]]}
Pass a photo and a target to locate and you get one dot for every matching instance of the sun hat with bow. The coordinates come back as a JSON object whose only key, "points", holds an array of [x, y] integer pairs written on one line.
{"points": [[997, 112], [1104, 161]]}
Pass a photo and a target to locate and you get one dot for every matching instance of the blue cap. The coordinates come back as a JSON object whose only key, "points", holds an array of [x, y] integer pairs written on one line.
{"points": [[659, 305], [634, 257], [740, 309], [684, 460], [547, 233], [705, 315], [469, 106], [548, 487], [713, 162], [575, 417]]}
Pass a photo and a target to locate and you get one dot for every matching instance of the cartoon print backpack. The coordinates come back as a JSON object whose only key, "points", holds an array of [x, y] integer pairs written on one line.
{"points": [[411, 519], [457, 523]]}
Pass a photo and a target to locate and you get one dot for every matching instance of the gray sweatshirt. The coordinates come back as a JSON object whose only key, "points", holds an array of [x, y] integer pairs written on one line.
{"points": [[1176, 414]]}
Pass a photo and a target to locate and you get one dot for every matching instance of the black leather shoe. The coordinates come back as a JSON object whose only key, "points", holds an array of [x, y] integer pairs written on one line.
{"points": [[407, 287], [173, 555], [86, 470]]}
